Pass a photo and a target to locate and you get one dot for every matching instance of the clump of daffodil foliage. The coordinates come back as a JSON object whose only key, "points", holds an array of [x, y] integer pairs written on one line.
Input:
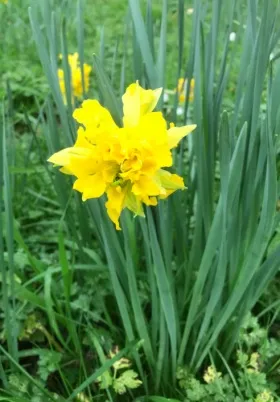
{"points": [[248, 380], [125, 162]]}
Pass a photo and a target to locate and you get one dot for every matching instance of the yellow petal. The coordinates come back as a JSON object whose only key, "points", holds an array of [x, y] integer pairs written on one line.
{"points": [[77, 87], [152, 127], [149, 166], [78, 161], [87, 69], [94, 117], [61, 158], [115, 203], [73, 60], [90, 186], [147, 186], [64, 157], [150, 201], [152, 131], [109, 171], [66, 170], [137, 102], [175, 134], [82, 140]]}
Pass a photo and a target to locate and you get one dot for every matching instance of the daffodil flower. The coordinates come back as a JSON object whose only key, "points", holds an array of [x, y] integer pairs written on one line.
{"points": [[76, 76], [125, 162]]}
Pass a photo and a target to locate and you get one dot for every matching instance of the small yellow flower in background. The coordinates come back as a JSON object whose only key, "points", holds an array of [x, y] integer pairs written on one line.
{"points": [[211, 374], [190, 11], [4, 1], [182, 89], [125, 163], [76, 76], [265, 396]]}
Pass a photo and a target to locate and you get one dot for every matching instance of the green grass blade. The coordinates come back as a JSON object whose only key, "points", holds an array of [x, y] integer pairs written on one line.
{"points": [[6, 229], [131, 267], [106, 89], [81, 39], [161, 59], [165, 292], [143, 41]]}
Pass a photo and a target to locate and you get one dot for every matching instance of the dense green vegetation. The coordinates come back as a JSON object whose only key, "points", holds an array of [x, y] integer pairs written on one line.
{"points": [[184, 303]]}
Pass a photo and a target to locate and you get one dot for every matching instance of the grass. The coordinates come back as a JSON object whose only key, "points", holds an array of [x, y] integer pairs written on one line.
{"points": [[172, 293]]}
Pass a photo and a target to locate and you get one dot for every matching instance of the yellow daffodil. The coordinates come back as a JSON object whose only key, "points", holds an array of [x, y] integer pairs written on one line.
{"points": [[125, 162], [182, 89], [76, 76]]}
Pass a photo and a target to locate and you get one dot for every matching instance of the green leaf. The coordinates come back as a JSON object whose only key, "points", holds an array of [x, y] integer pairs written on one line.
{"points": [[127, 380], [105, 380], [48, 363], [106, 89], [93, 377], [143, 42]]}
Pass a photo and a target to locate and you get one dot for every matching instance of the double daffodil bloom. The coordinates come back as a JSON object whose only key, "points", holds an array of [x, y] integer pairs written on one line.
{"points": [[76, 76], [125, 162]]}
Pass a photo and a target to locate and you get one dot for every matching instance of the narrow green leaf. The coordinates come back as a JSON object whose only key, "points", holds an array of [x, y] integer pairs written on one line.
{"points": [[165, 293], [143, 42], [106, 89]]}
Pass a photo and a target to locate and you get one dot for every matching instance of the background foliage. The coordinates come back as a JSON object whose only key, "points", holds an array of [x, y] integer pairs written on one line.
{"points": [[173, 290]]}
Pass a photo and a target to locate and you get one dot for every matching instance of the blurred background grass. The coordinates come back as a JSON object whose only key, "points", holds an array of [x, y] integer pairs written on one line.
{"points": [[19, 62], [35, 206]]}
